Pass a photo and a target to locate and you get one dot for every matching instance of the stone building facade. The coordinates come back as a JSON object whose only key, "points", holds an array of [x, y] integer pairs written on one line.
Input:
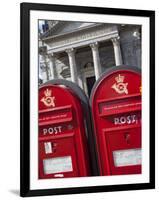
{"points": [[81, 52]]}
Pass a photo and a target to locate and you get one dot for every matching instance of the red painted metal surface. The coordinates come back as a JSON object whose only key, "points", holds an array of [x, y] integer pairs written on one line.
{"points": [[116, 110], [62, 135]]}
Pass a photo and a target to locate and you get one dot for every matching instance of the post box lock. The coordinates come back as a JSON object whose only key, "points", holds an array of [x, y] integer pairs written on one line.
{"points": [[127, 137]]}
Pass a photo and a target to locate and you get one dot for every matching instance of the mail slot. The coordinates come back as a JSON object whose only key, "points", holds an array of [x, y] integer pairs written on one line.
{"points": [[116, 111], [63, 135]]}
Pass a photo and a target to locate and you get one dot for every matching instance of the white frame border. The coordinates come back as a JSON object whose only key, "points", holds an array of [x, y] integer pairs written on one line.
{"points": [[87, 181]]}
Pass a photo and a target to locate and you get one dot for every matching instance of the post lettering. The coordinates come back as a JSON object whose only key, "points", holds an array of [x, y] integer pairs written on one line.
{"points": [[52, 130]]}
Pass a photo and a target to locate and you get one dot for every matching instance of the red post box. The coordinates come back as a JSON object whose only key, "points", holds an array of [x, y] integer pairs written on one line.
{"points": [[116, 110], [62, 133]]}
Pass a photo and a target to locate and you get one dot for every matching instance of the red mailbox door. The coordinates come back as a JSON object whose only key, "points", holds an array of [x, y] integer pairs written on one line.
{"points": [[62, 135], [116, 110]]}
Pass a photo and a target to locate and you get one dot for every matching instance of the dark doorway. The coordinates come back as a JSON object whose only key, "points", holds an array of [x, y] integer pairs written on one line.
{"points": [[90, 82]]}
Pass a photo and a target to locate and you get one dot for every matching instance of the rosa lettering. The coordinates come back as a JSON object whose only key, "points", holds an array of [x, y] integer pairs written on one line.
{"points": [[130, 119]]}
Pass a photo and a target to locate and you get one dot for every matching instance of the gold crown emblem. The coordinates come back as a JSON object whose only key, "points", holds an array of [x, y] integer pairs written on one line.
{"points": [[48, 100], [120, 87], [47, 92], [119, 79]]}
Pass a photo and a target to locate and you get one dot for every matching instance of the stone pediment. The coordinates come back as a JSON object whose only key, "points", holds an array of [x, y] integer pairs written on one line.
{"points": [[65, 35], [64, 27]]}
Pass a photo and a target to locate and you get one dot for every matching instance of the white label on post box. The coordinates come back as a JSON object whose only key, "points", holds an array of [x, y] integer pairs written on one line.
{"points": [[48, 147], [57, 165], [127, 157]]}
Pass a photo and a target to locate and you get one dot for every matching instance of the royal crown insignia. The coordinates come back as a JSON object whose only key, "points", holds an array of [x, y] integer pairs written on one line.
{"points": [[48, 100], [120, 87]]}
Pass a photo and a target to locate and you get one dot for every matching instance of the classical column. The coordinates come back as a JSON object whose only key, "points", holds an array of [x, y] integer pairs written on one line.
{"points": [[72, 63], [96, 59], [117, 51], [44, 59], [52, 66], [80, 81]]}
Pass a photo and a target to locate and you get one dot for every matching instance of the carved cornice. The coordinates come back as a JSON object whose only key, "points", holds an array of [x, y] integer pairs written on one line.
{"points": [[84, 38], [74, 31]]}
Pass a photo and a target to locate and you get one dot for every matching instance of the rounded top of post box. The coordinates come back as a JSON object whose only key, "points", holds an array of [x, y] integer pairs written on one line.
{"points": [[117, 82], [54, 96], [72, 89], [65, 91], [72, 86]]}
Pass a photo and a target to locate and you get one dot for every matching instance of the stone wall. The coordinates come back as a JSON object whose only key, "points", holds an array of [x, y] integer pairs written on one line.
{"points": [[131, 46], [106, 54]]}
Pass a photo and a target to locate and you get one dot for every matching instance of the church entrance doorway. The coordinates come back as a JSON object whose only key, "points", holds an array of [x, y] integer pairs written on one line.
{"points": [[90, 82]]}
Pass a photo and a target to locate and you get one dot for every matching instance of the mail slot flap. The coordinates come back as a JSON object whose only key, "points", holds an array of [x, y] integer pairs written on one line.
{"points": [[123, 105], [123, 139], [52, 137], [55, 115]]}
